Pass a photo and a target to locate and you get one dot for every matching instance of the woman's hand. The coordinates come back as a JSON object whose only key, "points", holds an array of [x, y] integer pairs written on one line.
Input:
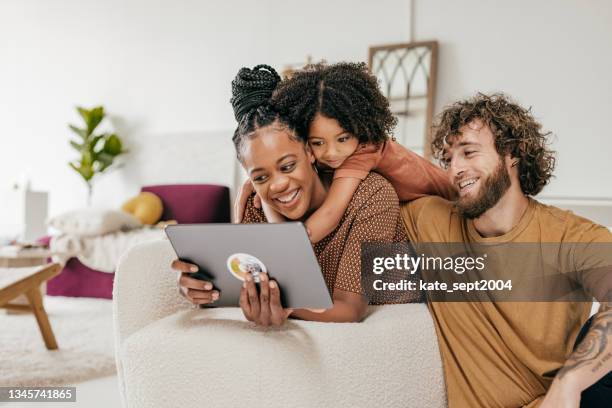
{"points": [[241, 200], [196, 291], [263, 308]]}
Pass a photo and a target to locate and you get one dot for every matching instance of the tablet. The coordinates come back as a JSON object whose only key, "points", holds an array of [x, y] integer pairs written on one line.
{"points": [[226, 252]]}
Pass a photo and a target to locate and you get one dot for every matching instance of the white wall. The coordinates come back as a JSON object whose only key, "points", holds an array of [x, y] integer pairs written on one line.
{"points": [[163, 71], [553, 56]]}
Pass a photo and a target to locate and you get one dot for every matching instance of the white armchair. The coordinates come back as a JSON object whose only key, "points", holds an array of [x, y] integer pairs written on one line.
{"points": [[170, 354]]}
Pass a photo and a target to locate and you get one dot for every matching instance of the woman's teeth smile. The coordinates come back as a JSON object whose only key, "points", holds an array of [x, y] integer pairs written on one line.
{"points": [[288, 198]]}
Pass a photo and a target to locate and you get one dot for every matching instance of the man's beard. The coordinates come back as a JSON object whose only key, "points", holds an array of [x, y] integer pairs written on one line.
{"points": [[491, 191]]}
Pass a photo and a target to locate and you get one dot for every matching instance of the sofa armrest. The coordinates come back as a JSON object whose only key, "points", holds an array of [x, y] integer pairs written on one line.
{"points": [[145, 287]]}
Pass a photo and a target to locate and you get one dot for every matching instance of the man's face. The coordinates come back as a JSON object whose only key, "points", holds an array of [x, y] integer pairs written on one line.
{"points": [[475, 169], [281, 171]]}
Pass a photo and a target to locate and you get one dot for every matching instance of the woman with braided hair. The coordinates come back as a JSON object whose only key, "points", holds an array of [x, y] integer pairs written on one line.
{"points": [[342, 114], [281, 168]]}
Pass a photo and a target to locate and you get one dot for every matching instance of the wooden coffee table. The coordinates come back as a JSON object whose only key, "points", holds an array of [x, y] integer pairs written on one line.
{"points": [[26, 281]]}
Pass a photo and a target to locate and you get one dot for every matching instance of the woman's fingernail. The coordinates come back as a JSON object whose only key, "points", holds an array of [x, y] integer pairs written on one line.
{"points": [[244, 284], [193, 269], [207, 286], [272, 284], [215, 295], [263, 276], [249, 277]]}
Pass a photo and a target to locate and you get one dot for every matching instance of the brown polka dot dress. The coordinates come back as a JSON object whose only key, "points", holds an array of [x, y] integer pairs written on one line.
{"points": [[372, 216]]}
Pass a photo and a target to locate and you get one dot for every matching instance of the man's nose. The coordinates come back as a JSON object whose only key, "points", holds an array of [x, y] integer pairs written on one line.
{"points": [[456, 168]]}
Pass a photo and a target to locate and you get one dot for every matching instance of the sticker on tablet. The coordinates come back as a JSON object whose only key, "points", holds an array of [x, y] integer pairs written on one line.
{"points": [[240, 264]]}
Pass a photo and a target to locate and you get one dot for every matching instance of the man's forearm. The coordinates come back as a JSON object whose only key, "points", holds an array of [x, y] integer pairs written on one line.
{"points": [[592, 359]]}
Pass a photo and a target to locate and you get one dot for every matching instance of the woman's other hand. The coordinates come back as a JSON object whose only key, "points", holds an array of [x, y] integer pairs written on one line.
{"points": [[263, 308], [196, 291], [241, 200]]}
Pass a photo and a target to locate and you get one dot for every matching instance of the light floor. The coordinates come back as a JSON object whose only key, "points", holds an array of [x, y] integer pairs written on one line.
{"points": [[98, 393]]}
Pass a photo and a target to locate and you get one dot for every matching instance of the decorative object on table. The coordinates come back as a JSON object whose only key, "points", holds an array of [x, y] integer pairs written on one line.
{"points": [[146, 206], [23, 213], [407, 76], [84, 331], [98, 151]]}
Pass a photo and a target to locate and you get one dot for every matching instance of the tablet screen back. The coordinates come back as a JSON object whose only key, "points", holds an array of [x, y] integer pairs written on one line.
{"points": [[224, 252]]}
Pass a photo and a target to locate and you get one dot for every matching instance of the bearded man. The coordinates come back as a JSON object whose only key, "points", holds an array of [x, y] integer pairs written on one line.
{"points": [[513, 354]]}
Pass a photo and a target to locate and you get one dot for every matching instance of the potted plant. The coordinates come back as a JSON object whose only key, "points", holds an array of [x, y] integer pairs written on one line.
{"points": [[97, 151]]}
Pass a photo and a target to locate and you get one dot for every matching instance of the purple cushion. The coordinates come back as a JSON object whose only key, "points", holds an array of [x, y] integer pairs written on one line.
{"points": [[193, 203]]}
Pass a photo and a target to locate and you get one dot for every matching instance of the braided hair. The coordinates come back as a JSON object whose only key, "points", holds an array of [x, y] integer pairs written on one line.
{"points": [[344, 91], [251, 93]]}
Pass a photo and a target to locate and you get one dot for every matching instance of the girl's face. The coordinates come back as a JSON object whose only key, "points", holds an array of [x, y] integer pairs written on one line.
{"points": [[281, 171], [330, 144]]}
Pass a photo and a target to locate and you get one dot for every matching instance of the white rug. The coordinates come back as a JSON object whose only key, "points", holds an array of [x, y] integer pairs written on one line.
{"points": [[83, 328]]}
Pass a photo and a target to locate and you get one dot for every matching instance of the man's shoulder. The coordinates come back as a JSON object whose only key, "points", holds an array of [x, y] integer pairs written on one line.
{"points": [[568, 226], [431, 219], [429, 207]]}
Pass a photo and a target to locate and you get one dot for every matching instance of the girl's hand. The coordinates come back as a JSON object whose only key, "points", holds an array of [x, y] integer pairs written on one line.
{"points": [[272, 215], [241, 199]]}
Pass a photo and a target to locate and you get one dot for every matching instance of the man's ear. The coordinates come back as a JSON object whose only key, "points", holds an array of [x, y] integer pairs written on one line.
{"points": [[510, 161]]}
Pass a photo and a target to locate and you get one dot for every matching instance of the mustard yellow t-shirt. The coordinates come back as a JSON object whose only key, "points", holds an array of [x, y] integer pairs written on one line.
{"points": [[503, 354]]}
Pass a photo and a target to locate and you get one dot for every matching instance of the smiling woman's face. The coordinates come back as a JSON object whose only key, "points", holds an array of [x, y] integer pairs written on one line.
{"points": [[281, 170]]}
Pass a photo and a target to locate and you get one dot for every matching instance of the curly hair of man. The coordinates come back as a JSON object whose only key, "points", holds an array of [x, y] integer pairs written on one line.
{"points": [[515, 130], [344, 91]]}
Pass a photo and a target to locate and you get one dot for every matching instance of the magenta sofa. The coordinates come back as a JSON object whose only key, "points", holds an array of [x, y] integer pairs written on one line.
{"points": [[185, 203]]}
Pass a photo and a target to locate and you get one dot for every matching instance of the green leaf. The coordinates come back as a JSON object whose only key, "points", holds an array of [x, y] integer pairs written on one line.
{"points": [[91, 117], [95, 117], [112, 145], [76, 145], [106, 160], [85, 172], [85, 114], [94, 142], [97, 152], [79, 131]]}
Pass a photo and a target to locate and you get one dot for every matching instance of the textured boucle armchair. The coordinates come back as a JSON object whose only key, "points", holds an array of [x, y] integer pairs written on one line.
{"points": [[172, 355]]}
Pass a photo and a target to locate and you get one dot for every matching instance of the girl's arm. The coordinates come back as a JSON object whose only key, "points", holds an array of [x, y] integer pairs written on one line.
{"points": [[240, 205], [326, 218], [348, 307], [272, 215]]}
